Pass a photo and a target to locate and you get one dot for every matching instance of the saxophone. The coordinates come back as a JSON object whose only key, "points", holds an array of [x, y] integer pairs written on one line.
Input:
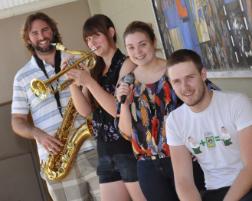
{"points": [[56, 167]]}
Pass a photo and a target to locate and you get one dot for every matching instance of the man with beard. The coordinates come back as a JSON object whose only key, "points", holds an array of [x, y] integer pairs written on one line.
{"points": [[81, 183], [214, 126]]}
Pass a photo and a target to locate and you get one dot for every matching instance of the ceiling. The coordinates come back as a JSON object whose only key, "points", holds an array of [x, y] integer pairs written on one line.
{"points": [[9, 8], [6, 4]]}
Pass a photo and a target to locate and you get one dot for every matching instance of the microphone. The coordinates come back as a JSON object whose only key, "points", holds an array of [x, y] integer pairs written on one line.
{"points": [[129, 79]]}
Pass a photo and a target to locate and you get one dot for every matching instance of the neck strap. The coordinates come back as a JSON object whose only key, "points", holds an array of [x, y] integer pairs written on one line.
{"points": [[57, 62]]}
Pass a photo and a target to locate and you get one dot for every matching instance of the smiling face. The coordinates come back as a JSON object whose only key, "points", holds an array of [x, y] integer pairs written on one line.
{"points": [[41, 36], [100, 43], [188, 83], [140, 48], [99, 33]]}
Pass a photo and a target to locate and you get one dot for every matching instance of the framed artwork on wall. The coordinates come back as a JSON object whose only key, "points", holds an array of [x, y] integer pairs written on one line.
{"points": [[219, 30]]}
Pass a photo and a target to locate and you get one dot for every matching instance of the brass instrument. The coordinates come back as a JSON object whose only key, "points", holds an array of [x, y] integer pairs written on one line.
{"points": [[43, 88], [56, 167]]}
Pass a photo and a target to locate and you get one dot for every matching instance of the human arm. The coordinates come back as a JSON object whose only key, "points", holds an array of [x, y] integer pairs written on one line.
{"points": [[125, 119], [241, 113], [127, 67], [124, 116], [181, 159], [183, 173], [81, 100], [105, 99], [243, 182], [21, 120], [84, 79], [23, 127], [79, 94]]}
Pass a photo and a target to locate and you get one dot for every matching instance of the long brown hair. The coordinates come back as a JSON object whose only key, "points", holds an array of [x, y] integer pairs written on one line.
{"points": [[98, 23]]}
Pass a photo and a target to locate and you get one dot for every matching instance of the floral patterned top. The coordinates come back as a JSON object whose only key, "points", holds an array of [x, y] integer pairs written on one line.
{"points": [[150, 104]]}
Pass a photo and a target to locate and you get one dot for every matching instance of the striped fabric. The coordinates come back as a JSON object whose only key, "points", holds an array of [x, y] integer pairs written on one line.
{"points": [[45, 113], [82, 182]]}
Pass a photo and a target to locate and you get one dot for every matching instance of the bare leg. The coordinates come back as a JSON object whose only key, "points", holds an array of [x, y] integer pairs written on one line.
{"points": [[135, 191], [115, 191]]}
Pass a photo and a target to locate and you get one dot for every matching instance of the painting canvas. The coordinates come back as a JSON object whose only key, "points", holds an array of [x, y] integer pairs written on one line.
{"points": [[219, 30]]}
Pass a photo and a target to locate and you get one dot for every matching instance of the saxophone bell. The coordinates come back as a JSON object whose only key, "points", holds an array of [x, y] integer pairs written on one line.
{"points": [[57, 166]]}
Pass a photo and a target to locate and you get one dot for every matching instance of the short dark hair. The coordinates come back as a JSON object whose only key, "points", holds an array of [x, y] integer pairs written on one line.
{"points": [[98, 23], [184, 55], [28, 24], [139, 26]]}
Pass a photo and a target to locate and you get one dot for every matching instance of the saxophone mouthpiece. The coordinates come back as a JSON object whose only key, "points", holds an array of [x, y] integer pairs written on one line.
{"points": [[59, 46], [92, 50]]}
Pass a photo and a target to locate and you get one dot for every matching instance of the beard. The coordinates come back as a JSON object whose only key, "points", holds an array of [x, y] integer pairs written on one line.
{"points": [[47, 49], [44, 49]]}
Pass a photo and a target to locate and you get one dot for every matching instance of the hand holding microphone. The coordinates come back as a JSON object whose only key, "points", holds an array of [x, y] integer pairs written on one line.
{"points": [[128, 79]]}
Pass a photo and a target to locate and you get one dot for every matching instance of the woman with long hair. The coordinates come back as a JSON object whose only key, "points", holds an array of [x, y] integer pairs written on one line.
{"points": [[142, 115], [93, 92]]}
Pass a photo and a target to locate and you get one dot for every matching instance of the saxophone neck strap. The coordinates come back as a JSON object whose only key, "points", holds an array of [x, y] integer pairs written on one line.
{"points": [[57, 62]]}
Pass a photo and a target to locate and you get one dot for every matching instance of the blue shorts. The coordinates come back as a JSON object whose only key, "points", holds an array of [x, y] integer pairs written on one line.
{"points": [[117, 167]]}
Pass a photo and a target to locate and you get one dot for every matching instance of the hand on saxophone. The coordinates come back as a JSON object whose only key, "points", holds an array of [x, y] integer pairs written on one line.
{"points": [[50, 143]]}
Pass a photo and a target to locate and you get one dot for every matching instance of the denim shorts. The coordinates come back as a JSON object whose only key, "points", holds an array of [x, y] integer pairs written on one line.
{"points": [[117, 167]]}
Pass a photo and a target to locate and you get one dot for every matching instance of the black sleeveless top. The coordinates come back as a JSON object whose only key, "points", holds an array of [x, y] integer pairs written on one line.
{"points": [[109, 140]]}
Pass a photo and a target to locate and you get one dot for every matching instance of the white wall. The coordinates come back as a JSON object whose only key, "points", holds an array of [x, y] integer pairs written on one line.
{"points": [[13, 54], [122, 12], [243, 85]]}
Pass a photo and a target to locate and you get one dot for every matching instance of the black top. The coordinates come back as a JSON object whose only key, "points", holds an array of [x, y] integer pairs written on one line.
{"points": [[109, 140]]}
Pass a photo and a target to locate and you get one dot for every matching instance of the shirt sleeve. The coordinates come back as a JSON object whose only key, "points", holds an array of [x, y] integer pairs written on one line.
{"points": [[243, 112], [172, 132], [19, 99]]}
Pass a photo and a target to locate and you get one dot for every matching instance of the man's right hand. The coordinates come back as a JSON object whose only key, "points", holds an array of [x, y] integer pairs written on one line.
{"points": [[50, 143]]}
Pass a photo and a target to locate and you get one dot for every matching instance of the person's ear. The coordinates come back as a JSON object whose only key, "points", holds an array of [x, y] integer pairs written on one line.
{"points": [[204, 73], [111, 31], [29, 41]]}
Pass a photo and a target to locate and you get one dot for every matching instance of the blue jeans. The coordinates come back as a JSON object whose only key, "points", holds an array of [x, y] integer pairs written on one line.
{"points": [[117, 167], [156, 179]]}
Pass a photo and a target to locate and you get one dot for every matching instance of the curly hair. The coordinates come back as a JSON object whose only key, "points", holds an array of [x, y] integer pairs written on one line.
{"points": [[28, 24]]}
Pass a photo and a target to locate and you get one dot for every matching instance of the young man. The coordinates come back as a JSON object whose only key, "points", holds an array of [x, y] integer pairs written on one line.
{"points": [[81, 183], [214, 126]]}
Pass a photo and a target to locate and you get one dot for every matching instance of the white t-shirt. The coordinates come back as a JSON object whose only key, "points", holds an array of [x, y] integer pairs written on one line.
{"points": [[212, 135]]}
